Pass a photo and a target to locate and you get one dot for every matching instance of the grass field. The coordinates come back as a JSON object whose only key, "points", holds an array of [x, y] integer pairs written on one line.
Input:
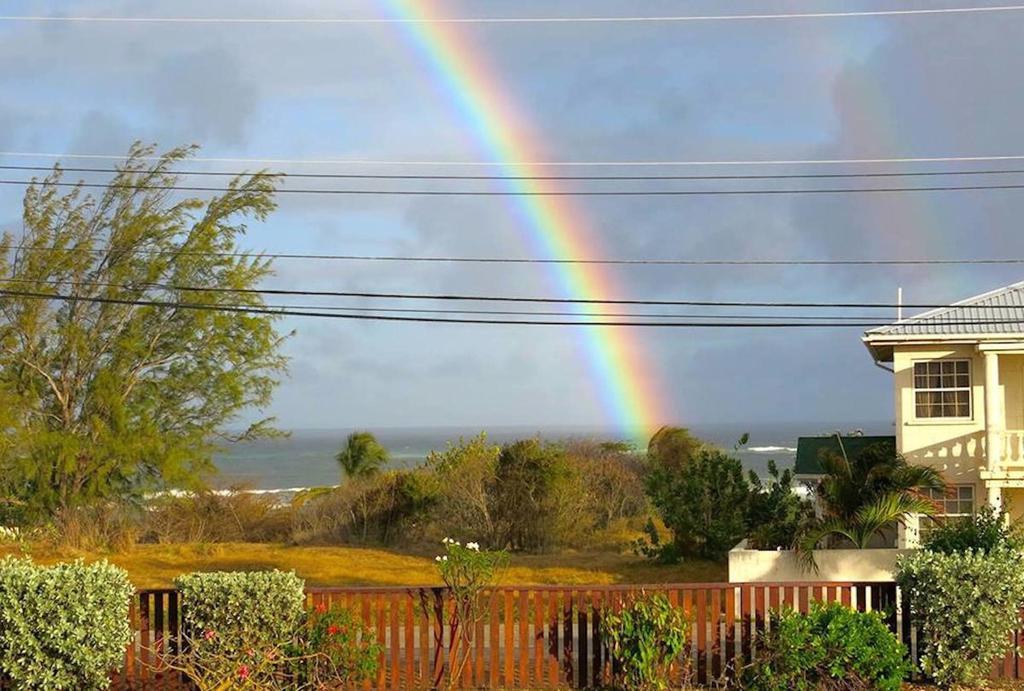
{"points": [[154, 566]]}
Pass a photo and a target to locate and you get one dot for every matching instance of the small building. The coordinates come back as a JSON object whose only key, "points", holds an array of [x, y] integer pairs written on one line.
{"points": [[958, 385], [810, 451]]}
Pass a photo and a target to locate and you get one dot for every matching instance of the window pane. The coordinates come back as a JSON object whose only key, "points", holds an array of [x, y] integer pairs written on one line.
{"points": [[947, 367], [920, 369], [961, 367]]}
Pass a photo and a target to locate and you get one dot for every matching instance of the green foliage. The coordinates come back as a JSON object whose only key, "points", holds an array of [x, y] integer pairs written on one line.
{"points": [[539, 497], [985, 530], [966, 605], [672, 448], [466, 483], [335, 648], [236, 619], [704, 505], [862, 497], [831, 647], [645, 637], [362, 456], [107, 399], [775, 513], [466, 571], [63, 626]]}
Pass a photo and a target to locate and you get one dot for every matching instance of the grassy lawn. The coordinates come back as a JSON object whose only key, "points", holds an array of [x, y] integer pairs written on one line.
{"points": [[154, 566]]}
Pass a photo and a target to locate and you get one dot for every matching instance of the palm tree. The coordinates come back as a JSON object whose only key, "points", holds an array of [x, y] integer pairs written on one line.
{"points": [[362, 456], [863, 496]]}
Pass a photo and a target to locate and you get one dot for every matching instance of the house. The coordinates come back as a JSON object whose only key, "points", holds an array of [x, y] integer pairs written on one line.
{"points": [[958, 380]]}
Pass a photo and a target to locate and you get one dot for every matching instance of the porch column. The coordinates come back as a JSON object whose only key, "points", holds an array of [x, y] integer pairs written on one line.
{"points": [[993, 421]]}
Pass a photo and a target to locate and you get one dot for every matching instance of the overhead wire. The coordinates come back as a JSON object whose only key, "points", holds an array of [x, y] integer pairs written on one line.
{"points": [[608, 19], [534, 193], [535, 260]]}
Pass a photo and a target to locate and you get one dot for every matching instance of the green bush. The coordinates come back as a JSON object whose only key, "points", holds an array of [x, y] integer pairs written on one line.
{"points": [[63, 626], [703, 505], [986, 530], [966, 605], [644, 639], [238, 624], [831, 647]]}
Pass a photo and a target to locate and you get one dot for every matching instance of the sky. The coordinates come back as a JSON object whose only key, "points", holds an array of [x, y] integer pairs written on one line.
{"points": [[865, 87]]}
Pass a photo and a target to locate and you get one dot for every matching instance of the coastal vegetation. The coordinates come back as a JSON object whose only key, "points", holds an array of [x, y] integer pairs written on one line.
{"points": [[116, 381]]}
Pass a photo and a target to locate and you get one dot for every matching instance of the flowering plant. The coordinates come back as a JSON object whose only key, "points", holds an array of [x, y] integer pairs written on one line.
{"points": [[467, 571], [338, 646]]}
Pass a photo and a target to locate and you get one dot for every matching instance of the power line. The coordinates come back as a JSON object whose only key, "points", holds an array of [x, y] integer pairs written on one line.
{"points": [[544, 313], [587, 178], [472, 298], [459, 320], [538, 260], [577, 163], [536, 193], [667, 19]]}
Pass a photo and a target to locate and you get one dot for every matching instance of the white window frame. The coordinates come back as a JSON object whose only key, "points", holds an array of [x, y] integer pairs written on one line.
{"points": [[928, 522], [969, 388]]}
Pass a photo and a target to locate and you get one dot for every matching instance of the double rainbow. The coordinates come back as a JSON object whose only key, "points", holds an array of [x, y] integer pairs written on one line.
{"points": [[555, 228]]}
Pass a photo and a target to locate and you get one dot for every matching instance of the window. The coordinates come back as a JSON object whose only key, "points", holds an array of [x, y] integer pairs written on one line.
{"points": [[957, 502], [942, 388]]}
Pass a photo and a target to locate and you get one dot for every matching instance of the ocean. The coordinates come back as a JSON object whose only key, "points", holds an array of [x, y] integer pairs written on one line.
{"points": [[306, 457]]}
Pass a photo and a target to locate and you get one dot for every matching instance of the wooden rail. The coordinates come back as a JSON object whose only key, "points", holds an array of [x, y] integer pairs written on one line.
{"points": [[539, 636]]}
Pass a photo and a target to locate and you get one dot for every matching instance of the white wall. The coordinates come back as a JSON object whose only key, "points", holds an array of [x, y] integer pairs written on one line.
{"points": [[763, 566]]}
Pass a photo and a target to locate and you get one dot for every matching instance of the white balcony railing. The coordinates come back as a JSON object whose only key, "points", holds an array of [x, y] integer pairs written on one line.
{"points": [[1012, 450]]}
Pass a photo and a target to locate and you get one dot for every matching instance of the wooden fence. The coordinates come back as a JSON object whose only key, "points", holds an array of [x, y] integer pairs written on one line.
{"points": [[540, 636]]}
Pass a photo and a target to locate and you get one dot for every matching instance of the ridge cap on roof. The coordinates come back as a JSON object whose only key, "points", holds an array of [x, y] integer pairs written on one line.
{"points": [[936, 311]]}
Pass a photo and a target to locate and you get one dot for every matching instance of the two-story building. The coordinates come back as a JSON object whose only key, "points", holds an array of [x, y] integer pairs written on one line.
{"points": [[958, 375]]}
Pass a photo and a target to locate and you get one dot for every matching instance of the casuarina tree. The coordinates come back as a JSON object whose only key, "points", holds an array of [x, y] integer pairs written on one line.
{"points": [[128, 340]]}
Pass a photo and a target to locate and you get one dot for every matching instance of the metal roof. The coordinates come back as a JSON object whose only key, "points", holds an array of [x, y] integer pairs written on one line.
{"points": [[809, 450], [966, 317]]}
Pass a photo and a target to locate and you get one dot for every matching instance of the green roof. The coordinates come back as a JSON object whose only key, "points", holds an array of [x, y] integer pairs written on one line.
{"points": [[809, 450]]}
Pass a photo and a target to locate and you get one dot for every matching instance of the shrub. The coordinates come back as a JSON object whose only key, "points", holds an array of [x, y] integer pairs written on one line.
{"points": [[466, 572], [966, 605], [775, 514], [63, 626], [644, 638], [383, 508], [831, 647], [237, 624], [233, 515], [704, 506], [984, 531], [334, 648], [539, 498]]}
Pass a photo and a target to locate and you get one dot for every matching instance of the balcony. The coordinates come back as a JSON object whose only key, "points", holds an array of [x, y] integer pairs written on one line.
{"points": [[1011, 456]]}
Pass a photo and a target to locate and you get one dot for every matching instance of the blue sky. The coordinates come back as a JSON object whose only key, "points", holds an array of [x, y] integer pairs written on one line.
{"points": [[927, 86]]}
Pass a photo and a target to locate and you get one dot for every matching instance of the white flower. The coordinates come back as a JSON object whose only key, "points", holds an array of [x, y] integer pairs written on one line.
{"points": [[437, 558], [457, 543], [473, 546], [446, 541], [444, 558]]}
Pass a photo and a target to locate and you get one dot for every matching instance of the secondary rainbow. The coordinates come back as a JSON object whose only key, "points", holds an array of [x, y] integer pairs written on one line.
{"points": [[554, 226]]}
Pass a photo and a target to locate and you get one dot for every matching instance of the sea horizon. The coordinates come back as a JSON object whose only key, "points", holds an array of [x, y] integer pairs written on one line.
{"points": [[306, 457]]}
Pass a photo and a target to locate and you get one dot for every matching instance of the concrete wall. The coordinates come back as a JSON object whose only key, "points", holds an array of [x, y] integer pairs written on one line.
{"points": [[763, 566]]}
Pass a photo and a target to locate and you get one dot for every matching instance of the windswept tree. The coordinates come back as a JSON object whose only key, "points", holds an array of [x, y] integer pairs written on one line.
{"points": [[362, 456], [122, 358]]}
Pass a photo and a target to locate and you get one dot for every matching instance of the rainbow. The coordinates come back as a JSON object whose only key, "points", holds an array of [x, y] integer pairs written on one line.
{"points": [[554, 227]]}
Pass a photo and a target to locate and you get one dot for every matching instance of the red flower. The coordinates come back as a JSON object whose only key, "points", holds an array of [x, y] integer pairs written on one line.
{"points": [[332, 630], [243, 672], [208, 635], [321, 607]]}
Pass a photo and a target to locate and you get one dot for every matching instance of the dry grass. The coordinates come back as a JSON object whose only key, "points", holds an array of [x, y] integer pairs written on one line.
{"points": [[154, 566]]}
